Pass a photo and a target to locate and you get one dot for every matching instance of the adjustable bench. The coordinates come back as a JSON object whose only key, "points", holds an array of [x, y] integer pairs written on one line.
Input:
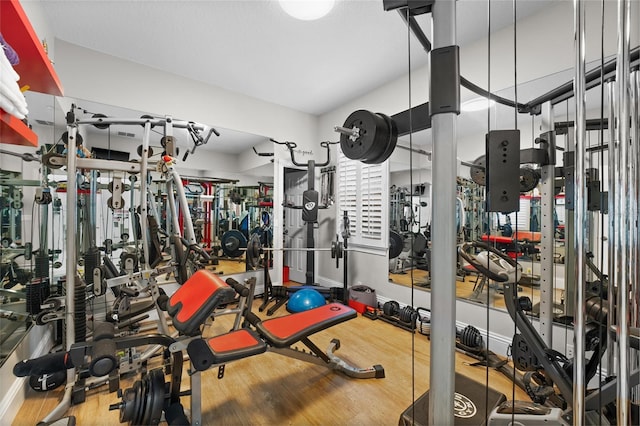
{"points": [[193, 303]]}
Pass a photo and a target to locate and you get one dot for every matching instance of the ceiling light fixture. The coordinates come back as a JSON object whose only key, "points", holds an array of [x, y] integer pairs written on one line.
{"points": [[307, 10], [477, 104]]}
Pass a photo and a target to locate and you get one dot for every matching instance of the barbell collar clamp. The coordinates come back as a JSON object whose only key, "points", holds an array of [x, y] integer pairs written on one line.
{"points": [[353, 133]]}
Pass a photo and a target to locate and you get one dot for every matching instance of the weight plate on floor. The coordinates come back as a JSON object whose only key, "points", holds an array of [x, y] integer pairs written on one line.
{"points": [[232, 243], [391, 143], [396, 244], [391, 308], [477, 171], [373, 136], [127, 405], [153, 385]]}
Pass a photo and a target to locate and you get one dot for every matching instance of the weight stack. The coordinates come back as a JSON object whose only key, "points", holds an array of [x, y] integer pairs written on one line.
{"points": [[36, 292], [91, 261], [80, 316], [42, 265]]}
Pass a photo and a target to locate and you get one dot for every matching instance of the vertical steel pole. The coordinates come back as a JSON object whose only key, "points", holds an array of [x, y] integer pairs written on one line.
{"points": [[547, 204], [579, 214], [633, 213], [144, 179], [613, 226], [443, 295], [569, 234], [72, 225], [622, 79]]}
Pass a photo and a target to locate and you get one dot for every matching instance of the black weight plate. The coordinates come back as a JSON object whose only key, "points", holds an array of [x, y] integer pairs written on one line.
{"points": [[396, 244], [529, 179], [232, 243], [391, 143], [406, 314], [155, 401], [253, 250], [127, 405], [477, 171], [419, 244], [65, 139], [100, 125], [370, 143]]}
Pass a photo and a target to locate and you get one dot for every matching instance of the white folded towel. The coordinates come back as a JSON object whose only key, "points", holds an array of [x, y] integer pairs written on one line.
{"points": [[12, 100]]}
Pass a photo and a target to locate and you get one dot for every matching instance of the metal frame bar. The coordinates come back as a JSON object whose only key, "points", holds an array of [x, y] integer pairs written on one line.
{"points": [[71, 262], [547, 204], [622, 214], [635, 210], [579, 214], [443, 294], [612, 226]]}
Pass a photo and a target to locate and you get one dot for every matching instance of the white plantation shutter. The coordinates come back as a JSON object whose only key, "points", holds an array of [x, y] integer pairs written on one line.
{"points": [[371, 179], [362, 193], [347, 191]]}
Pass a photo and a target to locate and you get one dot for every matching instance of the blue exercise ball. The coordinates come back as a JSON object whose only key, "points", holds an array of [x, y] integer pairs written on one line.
{"points": [[305, 299]]}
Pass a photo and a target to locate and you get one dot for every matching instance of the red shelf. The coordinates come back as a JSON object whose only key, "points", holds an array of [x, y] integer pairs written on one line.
{"points": [[35, 68], [14, 131]]}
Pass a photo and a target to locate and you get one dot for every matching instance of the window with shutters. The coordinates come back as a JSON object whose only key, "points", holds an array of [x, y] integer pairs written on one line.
{"points": [[362, 193]]}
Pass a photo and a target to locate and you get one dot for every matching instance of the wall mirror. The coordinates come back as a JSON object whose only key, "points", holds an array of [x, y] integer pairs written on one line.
{"points": [[24, 264], [228, 188], [410, 196]]}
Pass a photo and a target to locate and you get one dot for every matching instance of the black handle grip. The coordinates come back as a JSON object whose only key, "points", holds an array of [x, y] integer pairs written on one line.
{"points": [[46, 364], [239, 288], [253, 319]]}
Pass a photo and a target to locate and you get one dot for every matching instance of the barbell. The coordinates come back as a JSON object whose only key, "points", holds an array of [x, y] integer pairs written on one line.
{"points": [[254, 249]]}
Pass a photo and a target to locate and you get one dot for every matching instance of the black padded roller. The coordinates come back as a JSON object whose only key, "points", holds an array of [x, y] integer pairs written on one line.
{"points": [[103, 358], [103, 330]]}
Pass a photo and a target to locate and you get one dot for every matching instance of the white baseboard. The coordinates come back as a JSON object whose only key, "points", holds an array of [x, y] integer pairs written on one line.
{"points": [[15, 387]]}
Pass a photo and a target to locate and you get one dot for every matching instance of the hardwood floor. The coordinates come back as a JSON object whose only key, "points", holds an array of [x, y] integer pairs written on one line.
{"points": [[465, 289], [271, 389]]}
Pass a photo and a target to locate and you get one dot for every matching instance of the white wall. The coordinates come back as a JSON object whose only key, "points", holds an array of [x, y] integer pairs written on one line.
{"points": [[87, 74]]}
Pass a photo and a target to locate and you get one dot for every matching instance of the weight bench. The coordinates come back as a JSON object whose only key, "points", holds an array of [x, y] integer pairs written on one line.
{"points": [[193, 303]]}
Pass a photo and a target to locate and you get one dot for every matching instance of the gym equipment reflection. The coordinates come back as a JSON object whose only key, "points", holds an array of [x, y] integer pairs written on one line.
{"points": [[519, 234]]}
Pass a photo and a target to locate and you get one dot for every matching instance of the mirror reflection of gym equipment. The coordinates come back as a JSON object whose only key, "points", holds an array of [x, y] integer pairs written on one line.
{"points": [[134, 244]]}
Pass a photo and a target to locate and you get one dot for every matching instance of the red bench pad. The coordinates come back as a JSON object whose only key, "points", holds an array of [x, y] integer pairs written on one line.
{"points": [[284, 331], [228, 347], [196, 299]]}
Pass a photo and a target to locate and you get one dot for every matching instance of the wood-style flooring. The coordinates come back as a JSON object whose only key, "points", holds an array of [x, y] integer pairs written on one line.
{"points": [[271, 389], [465, 288]]}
